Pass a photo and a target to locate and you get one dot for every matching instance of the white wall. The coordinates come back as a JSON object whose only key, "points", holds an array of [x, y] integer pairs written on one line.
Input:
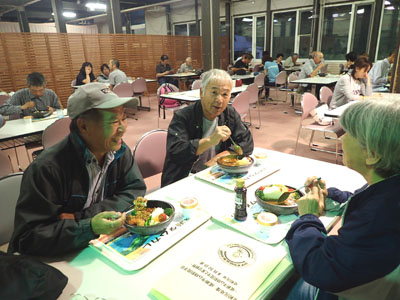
{"points": [[156, 20]]}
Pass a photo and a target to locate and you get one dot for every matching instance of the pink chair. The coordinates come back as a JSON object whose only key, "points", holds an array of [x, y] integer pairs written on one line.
{"points": [[3, 99], [293, 86], [149, 153], [259, 80], [139, 86], [123, 89], [325, 95], [256, 68], [253, 101], [56, 132], [9, 189], [165, 103], [309, 103], [241, 104], [280, 80], [196, 84], [5, 164]]}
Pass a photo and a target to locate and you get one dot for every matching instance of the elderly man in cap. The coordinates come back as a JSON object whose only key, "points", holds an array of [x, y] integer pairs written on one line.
{"points": [[77, 189]]}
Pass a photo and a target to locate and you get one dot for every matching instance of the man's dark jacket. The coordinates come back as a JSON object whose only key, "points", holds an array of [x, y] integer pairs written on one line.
{"points": [[184, 133], [58, 182]]}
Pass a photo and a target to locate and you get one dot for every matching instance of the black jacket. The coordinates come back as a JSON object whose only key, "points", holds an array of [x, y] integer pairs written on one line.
{"points": [[58, 182], [184, 133]]}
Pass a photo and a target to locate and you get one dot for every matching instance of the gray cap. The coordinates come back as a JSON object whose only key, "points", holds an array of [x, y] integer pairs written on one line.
{"points": [[96, 95]]}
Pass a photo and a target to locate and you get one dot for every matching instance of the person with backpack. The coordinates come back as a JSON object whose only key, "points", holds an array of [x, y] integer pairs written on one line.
{"points": [[200, 131]]}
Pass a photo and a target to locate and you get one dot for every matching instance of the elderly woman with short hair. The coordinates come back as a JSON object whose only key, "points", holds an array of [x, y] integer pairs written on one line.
{"points": [[363, 260]]}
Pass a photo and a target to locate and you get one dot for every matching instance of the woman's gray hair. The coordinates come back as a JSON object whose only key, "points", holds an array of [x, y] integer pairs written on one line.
{"points": [[214, 75], [376, 126]]}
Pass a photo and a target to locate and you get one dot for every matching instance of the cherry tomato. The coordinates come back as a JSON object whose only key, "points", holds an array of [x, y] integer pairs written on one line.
{"points": [[162, 217], [291, 190], [261, 188]]}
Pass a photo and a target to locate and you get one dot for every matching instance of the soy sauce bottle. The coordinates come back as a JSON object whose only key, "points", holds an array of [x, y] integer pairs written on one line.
{"points": [[240, 201]]}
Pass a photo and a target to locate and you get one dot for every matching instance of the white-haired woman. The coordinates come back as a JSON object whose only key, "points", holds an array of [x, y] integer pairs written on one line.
{"points": [[200, 131], [362, 261]]}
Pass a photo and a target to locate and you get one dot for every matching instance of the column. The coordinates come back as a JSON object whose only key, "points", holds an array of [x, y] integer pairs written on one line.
{"points": [[210, 34], [58, 17]]}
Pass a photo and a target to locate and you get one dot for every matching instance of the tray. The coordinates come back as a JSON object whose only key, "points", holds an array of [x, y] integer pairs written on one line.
{"points": [[132, 252]]}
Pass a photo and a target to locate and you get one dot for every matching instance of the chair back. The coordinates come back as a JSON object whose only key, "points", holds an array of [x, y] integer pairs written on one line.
{"points": [[281, 78], [256, 68], [55, 132], [9, 188], [325, 94], [139, 86], [73, 83], [166, 88], [259, 79], [123, 89], [253, 93], [5, 164], [3, 99], [291, 78], [150, 151], [196, 84], [309, 103], [241, 103]]}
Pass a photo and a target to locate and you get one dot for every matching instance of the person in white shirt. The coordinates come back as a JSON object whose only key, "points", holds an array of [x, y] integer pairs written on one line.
{"points": [[380, 70], [291, 61], [353, 86]]}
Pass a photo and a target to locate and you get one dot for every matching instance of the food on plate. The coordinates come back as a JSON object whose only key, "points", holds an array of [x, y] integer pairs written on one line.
{"points": [[271, 193], [232, 161], [141, 215]]}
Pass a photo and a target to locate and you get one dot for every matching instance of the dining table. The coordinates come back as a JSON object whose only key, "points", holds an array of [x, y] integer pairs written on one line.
{"points": [[93, 274]]}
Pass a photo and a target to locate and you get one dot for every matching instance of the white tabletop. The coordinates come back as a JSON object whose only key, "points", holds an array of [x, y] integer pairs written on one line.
{"points": [[182, 75], [337, 112], [20, 127], [318, 80], [194, 95], [249, 76], [92, 275]]}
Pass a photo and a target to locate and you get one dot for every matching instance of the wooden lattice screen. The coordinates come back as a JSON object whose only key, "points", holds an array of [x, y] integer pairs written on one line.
{"points": [[59, 56]]}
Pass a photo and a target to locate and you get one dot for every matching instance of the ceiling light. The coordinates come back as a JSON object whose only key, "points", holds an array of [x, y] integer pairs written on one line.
{"points": [[290, 19], [335, 15], [69, 14], [96, 6], [247, 20], [387, 2], [360, 11], [390, 7]]}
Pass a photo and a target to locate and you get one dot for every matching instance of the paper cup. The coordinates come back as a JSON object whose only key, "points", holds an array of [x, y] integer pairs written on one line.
{"points": [[261, 158], [28, 120], [265, 220], [188, 205]]}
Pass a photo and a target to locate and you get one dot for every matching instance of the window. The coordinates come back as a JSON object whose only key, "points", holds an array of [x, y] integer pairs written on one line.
{"points": [[284, 32], [305, 33], [249, 36], [389, 28], [346, 28], [184, 29], [335, 32]]}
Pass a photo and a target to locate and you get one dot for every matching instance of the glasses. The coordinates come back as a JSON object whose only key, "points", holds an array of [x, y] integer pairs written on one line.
{"points": [[77, 296]]}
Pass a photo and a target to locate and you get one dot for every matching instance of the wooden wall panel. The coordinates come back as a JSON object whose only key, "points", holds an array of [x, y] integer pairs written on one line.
{"points": [[59, 56]]}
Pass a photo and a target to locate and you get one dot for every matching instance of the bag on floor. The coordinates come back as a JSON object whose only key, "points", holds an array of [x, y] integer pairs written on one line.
{"points": [[166, 89]]}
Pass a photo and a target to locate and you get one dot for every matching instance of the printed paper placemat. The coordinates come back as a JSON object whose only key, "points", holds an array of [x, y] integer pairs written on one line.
{"points": [[231, 267], [131, 251], [216, 176]]}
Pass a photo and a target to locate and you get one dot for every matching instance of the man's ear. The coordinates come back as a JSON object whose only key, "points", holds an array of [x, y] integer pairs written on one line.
{"points": [[372, 158], [82, 125]]}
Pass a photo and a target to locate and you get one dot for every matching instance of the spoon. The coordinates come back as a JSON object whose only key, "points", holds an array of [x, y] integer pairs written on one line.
{"points": [[285, 195], [237, 148]]}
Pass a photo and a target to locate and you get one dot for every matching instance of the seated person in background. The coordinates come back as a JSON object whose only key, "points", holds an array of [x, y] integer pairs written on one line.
{"points": [[34, 97], [2, 121], [271, 70], [363, 260], [279, 58], [187, 67], [162, 69], [241, 67], [116, 76], [353, 86], [310, 69], [85, 74], [379, 72], [75, 190], [200, 131], [350, 59], [105, 73], [365, 55], [291, 61]]}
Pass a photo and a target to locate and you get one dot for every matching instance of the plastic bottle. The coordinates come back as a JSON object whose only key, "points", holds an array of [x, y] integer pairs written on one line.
{"points": [[240, 200]]}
